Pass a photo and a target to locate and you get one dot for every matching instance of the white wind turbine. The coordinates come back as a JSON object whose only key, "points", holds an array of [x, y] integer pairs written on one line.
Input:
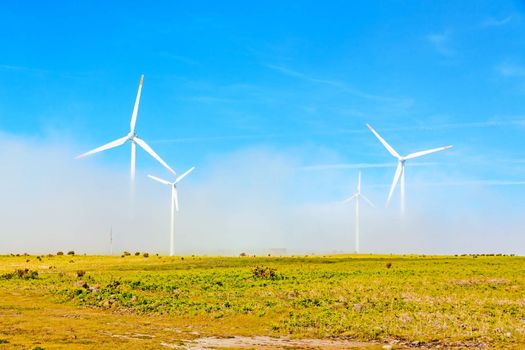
{"points": [[357, 197], [133, 138], [400, 171], [174, 203]]}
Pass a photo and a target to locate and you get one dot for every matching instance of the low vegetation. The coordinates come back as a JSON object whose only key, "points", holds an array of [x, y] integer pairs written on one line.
{"points": [[25, 274], [462, 301]]}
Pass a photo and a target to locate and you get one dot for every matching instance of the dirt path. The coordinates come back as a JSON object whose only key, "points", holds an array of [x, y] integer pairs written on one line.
{"points": [[267, 343]]}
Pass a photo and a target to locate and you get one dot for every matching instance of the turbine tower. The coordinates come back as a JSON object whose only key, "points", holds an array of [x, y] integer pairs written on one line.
{"points": [[174, 203], [400, 170], [133, 138], [357, 197]]}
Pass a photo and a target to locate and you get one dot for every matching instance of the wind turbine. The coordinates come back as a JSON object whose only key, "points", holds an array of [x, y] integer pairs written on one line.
{"points": [[133, 138], [400, 170], [357, 197], [174, 203]]}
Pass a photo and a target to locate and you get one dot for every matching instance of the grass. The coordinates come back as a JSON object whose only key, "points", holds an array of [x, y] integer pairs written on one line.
{"points": [[461, 301]]}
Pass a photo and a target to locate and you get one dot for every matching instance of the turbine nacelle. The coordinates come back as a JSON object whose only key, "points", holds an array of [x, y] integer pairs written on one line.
{"points": [[399, 175], [135, 140], [173, 185], [174, 201], [357, 198]]}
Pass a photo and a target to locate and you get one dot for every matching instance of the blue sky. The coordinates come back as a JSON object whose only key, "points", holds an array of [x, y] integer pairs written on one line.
{"points": [[292, 80]]}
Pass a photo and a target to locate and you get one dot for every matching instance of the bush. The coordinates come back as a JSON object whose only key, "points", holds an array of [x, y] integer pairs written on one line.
{"points": [[81, 273], [126, 253], [243, 254], [25, 274], [145, 255], [137, 253], [71, 252], [388, 265], [60, 253], [265, 272]]}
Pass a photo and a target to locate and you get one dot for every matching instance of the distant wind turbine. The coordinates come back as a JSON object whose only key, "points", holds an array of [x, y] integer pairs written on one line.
{"points": [[357, 197], [400, 171], [174, 203], [133, 138]]}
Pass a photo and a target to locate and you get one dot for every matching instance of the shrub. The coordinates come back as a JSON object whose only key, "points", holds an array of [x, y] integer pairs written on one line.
{"points": [[25, 274], [126, 253], [243, 254], [60, 253], [145, 255], [388, 265], [137, 253], [81, 273], [71, 252], [265, 272]]}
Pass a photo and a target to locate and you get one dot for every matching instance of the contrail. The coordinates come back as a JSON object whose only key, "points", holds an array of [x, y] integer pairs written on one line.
{"points": [[461, 183], [318, 167], [476, 125]]}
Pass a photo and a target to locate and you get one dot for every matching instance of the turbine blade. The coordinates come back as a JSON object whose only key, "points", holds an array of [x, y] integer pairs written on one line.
{"points": [[107, 146], [422, 153], [152, 153], [160, 180], [183, 175], [368, 201], [387, 146], [348, 200], [136, 107], [359, 182], [394, 182], [176, 198]]}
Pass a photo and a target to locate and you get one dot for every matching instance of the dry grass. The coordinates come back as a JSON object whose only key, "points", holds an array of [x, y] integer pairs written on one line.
{"points": [[138, 302]]}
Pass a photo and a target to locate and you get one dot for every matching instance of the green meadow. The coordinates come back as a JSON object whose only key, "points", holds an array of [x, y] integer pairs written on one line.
{"points": [[378, 301]]}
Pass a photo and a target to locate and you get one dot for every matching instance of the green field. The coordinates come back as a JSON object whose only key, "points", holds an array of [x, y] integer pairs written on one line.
{"points": [[174, 302]]}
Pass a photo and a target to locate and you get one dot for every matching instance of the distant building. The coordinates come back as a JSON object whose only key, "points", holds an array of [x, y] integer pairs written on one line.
{"points": [[277, 251]]}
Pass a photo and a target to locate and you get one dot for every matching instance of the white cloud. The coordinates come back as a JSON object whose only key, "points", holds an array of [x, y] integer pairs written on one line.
{"points": [[511, 70], [495, 22], [249, 200], [441, 43]]}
